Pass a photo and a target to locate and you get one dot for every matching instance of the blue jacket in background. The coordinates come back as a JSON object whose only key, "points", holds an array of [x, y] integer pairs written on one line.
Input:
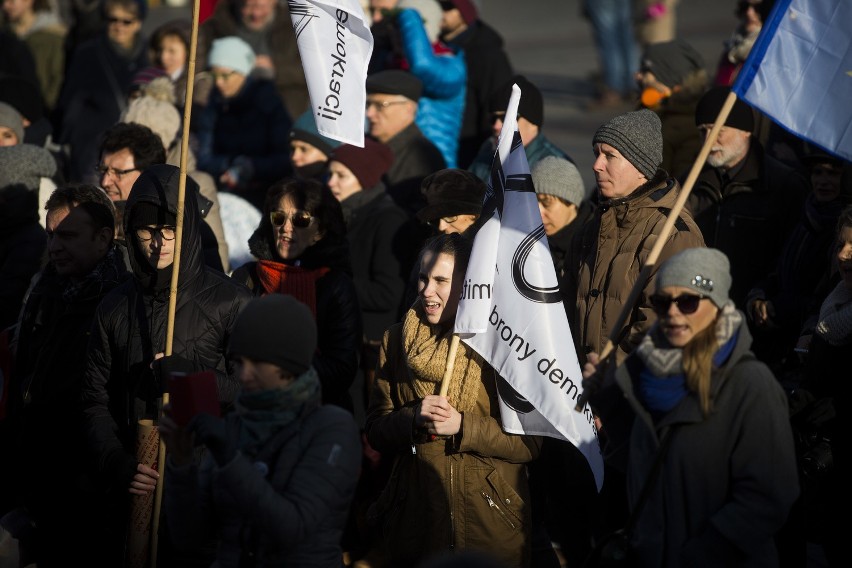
{"points": [[444, 78]]}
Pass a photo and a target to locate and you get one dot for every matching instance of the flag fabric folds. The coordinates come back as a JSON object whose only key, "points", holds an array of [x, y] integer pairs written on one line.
{"points": [[511, 310], [799, 72], [335, 44]]}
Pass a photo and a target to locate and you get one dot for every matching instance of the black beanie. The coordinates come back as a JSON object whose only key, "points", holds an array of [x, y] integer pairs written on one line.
{"points": [[531, 105], [711, 103], [148, 214], [277, 329]]}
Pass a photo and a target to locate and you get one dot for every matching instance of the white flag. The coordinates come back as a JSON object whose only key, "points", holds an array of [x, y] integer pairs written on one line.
{"points": [[335, 44], [511, 311]]}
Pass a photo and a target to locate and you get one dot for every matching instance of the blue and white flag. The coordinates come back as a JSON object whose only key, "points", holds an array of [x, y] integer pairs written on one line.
{"points": [[511, 310], [335, 44], [799, 72]]}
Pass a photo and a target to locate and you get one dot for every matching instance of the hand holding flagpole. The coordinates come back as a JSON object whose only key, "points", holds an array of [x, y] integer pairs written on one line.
{"points": [[593, 382]]}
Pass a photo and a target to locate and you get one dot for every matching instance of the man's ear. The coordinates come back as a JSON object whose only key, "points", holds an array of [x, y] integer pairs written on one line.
{"points": [[103, 238]]}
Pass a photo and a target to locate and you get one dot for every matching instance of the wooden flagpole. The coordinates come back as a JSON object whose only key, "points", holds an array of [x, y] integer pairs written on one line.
{"points": [[170, 325], [644, 274], [451, 363]]}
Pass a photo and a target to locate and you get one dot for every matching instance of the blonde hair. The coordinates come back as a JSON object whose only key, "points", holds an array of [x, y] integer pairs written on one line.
{"points": [[698, 365]]}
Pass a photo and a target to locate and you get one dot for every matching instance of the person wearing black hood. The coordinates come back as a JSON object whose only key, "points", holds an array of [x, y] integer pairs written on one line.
{"points": [[126, 370], [301, 250]]}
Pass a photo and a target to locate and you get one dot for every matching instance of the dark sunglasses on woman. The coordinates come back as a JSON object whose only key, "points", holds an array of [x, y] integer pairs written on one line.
{"points": [[686, 303], [300, 219]]}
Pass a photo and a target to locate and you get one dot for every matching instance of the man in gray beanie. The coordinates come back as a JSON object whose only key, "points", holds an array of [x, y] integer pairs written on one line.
{"points": [[634, 199]]}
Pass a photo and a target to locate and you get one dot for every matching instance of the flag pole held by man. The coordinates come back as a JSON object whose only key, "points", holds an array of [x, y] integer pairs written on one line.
{"points": [[511, 310]]}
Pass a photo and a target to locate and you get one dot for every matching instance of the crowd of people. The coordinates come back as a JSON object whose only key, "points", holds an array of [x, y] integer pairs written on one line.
{"points": [[316, 283]]}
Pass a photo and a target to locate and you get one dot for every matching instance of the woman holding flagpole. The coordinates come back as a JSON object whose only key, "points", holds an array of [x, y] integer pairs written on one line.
{"points": [[458, 481]]}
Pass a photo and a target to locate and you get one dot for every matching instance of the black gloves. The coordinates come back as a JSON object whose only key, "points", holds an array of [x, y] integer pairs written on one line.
{"points": [[213, 433], [165, 366]]}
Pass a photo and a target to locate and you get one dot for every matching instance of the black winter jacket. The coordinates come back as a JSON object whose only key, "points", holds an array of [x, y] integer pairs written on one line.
{"points": [[749, 215], [130, 328], [338, 315]]}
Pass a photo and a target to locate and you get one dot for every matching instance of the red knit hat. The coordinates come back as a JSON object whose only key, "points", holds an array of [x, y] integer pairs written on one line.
{"points": [[368, 164], [467, 9]]}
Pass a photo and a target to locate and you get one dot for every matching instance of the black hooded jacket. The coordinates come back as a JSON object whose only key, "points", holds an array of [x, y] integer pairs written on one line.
{"points": [[130, 329]]}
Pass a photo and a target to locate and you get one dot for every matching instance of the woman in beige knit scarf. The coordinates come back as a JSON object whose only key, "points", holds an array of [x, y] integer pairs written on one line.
{"points": [[458, 481]]}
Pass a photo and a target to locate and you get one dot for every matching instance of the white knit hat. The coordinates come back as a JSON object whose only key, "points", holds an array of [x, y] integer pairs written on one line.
{"points": [[232, 53], [154, 110]]}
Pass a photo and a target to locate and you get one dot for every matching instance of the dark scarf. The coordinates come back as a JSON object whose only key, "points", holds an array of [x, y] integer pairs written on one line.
{"points": [[262, 414], [106, 274]]}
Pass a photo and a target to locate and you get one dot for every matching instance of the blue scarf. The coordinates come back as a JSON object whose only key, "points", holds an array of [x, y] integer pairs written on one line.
{"points": [[262, 414]]}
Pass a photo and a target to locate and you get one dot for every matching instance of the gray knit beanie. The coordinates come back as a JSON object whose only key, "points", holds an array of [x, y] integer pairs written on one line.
{"points": [[11, 118], [277, 329], [557, 176], [704, 270], [638, 136], [25, 164]]}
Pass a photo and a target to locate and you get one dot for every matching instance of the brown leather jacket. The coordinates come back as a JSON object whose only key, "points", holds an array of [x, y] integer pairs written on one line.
{"points": [[613, 249], [448, 494]]}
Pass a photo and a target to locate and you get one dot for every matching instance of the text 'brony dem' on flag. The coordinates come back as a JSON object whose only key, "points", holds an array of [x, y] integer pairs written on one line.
{"points": [[335, 44], [511, 310]]}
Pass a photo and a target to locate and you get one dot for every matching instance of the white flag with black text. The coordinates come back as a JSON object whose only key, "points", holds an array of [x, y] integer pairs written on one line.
{"points": [[335, 44], [511, 310]]}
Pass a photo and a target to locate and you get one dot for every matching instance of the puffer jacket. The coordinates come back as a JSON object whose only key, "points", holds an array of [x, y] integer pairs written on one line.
{"points": [[129, 328], [444, 76], [286, 506], [728, 481], [613, 249], [441, 496]]}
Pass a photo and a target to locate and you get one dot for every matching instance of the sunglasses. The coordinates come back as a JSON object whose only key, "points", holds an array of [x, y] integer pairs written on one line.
{"points": [[299, 219], [686, 303], [122, 21]]}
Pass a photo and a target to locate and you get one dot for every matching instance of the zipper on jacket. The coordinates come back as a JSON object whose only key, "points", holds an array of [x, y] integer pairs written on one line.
{"points": [[497, 508], [413, 450], [452, 508]]}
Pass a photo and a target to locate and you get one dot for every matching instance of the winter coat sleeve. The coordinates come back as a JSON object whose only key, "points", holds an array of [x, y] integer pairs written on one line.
{"points": [[273, 163], [113, 462], [188, 503], [389, 429], [483, 435], [442, 77], [208, 161], [339, 340]]}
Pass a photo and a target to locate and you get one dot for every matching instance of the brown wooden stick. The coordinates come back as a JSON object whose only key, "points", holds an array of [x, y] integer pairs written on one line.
{"points": [[170, 324], [451, 363], [664, 235]]}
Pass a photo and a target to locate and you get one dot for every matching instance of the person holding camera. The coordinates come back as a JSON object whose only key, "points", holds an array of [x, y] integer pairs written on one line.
{"points": [[693, 396], [280, 472]]}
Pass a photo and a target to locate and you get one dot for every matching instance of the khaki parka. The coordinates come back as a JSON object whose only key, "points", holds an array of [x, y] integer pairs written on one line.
{"points": [[614, 246], [469, 491]]}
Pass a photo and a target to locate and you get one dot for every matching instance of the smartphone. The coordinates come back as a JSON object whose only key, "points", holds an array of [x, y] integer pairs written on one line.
{"points": [[191, 394]]}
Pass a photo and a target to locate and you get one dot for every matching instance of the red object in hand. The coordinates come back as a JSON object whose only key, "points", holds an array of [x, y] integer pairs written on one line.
{"points": [[191, 394]]}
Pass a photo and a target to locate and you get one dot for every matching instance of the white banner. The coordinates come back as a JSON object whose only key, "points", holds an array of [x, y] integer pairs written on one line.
{"points": [[335, 44], [511, 310]]}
